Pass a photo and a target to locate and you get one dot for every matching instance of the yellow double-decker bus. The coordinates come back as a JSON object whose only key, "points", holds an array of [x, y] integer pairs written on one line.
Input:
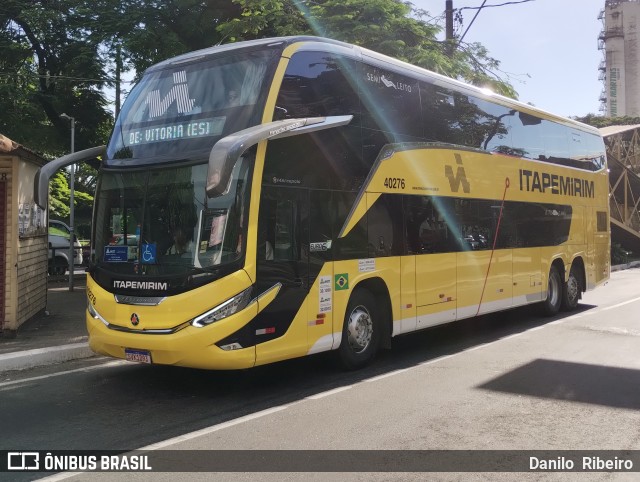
{"points": [[276, 198]]}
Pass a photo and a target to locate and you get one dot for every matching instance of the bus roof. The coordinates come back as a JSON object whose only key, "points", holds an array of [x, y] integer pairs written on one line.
{"points": [[410, 69], [257, 44]]}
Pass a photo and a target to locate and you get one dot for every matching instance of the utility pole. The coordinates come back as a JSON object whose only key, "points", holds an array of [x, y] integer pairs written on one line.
{"points": [[118, 75], [448, 12]]}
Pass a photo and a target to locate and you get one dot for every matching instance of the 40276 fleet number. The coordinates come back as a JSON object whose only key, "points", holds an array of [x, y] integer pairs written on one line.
{"points": [[394, 183]]}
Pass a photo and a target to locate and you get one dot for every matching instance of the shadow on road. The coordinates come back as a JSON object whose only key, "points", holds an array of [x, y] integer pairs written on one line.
{"points": [[575, 382]]}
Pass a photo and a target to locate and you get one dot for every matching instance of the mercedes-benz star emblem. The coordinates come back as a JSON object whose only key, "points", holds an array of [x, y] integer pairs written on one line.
{"points": [[135, 319]]}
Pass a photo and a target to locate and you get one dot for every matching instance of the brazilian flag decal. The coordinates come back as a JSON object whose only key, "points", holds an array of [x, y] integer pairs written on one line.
{"points": [[341, 282]]}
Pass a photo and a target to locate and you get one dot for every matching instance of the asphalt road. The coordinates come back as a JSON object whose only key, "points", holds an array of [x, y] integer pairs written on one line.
{"points": [[513, 381]]}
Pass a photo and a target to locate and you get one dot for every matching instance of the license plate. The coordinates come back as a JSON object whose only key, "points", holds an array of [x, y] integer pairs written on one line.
{"points": [[140, 356]]}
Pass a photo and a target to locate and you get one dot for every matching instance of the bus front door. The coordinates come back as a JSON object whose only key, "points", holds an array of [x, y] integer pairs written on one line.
{"points": [[282, 257]]}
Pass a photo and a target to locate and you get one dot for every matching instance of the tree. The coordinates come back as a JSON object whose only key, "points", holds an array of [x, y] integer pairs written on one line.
{"points": [[53, 67], [145, 32], [602, 121], [390, 27]]}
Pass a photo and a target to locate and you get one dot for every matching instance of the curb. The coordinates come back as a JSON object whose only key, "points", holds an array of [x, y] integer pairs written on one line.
{"points": [[619, 267], [22, 360]]}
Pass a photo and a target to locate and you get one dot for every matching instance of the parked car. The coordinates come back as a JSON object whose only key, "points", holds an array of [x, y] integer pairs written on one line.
{"points": [[59, 234]]}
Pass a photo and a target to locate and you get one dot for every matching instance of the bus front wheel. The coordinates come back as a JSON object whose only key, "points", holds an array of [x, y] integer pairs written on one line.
{"points": [[361, 331], [551, 305]]}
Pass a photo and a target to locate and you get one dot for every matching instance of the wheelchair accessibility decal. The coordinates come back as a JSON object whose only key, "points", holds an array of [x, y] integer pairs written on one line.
{"points": [[148, 254]]}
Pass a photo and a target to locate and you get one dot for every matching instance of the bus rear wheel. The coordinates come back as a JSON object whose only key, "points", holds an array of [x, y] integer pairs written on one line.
{"points": [[551, 305], [571, 291], [361, 331]]}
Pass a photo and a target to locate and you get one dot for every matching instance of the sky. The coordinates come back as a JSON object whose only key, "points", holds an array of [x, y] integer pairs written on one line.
{"points": [[548, 48]]}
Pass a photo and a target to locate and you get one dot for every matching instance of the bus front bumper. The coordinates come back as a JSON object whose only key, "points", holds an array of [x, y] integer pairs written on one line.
{"points": [[189, 347]]}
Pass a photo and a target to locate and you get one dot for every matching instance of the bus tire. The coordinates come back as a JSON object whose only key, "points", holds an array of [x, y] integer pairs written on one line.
{"points": [[571, 291], [361, 331], [552, 304], [57, 266]]}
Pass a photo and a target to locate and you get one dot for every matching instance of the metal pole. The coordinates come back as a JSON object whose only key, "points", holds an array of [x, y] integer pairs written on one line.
{"points": [[448, 11], [71, 206], [72, 176]]}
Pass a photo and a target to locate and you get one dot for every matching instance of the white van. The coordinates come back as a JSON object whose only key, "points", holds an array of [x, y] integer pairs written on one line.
{"points": [[59, 234]]}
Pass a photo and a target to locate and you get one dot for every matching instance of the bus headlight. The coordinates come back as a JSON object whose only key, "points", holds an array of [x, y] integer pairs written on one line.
{"points": [[223, 310], [94, 314]]}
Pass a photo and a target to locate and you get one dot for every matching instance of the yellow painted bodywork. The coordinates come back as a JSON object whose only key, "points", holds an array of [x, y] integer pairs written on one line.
{"points": [[190, 346], [437, 288]]}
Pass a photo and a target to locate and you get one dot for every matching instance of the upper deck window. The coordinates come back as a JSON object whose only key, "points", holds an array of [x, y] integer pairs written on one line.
{"points": [[319, 84]]}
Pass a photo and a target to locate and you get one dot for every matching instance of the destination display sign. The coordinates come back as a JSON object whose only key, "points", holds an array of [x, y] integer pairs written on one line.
{"points": [[176, 131]]}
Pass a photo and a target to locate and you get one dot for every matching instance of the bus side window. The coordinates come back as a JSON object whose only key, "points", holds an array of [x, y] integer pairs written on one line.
{"points": [[354, 244], [424, 225], [526, 136], [438, 106], [490, 125], [318, 84], [384, 226]]}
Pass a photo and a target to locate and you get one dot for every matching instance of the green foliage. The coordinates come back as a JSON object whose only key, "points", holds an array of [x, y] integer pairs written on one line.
{"points": [[59, 195], [390, 27], [602, 121], [52, 67]]}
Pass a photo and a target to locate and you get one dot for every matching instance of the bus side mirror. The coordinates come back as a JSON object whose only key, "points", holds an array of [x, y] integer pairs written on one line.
{"points": [[44, 174], [226, 152]]}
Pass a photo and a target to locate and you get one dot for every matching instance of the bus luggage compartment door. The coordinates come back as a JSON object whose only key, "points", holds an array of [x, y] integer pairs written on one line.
{"points": [[435, 289]]}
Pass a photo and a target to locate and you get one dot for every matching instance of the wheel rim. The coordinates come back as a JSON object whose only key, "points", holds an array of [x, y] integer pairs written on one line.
{"points": [[359, 329], [554, 290], [572, 289]]}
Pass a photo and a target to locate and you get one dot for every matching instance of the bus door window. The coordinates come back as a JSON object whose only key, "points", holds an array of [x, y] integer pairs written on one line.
{"points": [[321, 235], [285, 247], [282, 258], [283, 232]]}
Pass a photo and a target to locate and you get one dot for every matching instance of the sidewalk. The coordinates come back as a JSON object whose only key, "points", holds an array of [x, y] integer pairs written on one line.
{"points": [[55, 336]]}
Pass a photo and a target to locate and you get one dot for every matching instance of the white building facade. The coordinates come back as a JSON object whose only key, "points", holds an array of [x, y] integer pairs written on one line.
{"points": [[620, 67]]}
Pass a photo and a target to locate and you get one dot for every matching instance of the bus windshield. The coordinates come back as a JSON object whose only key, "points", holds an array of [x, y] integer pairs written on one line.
{"points": [[187, 107], [160, 222]]}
